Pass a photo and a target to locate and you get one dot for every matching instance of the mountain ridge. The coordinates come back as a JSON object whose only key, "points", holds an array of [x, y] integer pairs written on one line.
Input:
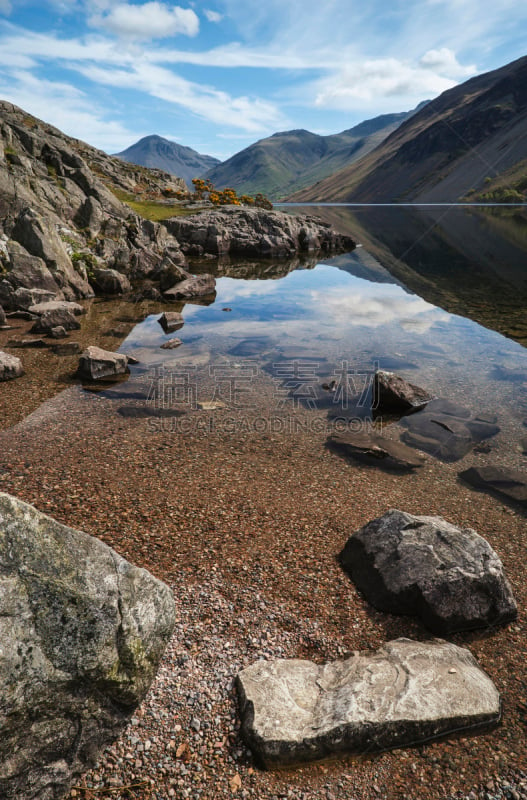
{"points": [[458, 147], [287, 161], [156, 152]]}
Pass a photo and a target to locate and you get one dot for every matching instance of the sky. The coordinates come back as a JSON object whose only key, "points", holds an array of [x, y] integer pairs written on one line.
{"points": [[217, 76]]}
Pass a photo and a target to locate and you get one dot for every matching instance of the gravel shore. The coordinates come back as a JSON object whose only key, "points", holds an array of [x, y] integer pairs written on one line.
{"points": [[245, 528]]}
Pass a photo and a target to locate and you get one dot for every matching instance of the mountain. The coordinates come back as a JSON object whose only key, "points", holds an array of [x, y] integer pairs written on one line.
{"points": [[468, 143], [292, 160], [154, 151]]}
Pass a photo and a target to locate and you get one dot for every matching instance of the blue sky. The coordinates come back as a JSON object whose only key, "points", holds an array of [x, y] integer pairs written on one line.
{"points": [[219, 75]]}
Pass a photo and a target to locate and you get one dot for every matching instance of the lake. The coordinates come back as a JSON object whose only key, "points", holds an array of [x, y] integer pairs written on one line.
{"points": [[435, 294]]}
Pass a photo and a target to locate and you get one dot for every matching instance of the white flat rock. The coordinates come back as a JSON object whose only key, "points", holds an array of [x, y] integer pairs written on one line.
{"points": [[404, 693]]}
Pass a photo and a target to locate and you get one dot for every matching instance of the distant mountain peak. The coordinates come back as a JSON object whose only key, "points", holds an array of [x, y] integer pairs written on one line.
{"points": [[155, 151]]}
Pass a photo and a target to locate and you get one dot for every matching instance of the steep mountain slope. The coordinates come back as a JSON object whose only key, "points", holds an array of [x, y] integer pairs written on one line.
{"points": [[469, 141], [291, 160], [157, 152]]}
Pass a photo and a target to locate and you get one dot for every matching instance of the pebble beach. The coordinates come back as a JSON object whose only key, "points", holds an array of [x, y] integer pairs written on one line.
{"points": [[246, 527]]}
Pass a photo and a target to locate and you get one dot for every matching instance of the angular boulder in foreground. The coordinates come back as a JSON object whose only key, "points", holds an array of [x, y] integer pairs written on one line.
{"points": [[96, 363], [448, 576], [404, 693], [392, 394], [82, 632]]}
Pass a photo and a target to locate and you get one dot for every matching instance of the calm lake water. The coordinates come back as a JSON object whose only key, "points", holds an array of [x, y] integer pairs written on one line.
{"points": [[436, 294]]}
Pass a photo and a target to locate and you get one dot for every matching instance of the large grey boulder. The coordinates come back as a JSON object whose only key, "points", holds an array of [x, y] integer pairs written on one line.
{"points": [[57, 305], [10, 367], [96, 363], [393, 394], [24, 298], [110, 281], [406, 692], [2, 316], [448, 576], [82, 632]]}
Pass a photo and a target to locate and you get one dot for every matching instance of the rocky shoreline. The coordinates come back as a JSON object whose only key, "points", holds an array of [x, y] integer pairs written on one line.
{"points": [[246, 530], [255, 575]]}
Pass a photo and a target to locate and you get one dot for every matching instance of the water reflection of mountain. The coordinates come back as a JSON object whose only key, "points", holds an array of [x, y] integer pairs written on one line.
{"points": [[469, 261]]}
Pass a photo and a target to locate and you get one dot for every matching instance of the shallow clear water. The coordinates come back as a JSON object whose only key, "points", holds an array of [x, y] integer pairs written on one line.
{"points": [[313, 338]]}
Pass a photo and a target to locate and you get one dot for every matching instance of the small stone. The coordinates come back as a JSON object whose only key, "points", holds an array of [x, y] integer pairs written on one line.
{"points": [[58, 332], [171, 344], [171, 321], [10, 367]]}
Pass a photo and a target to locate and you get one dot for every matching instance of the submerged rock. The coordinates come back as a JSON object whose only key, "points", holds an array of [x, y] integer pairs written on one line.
{"points": [[392, 394], [448, 576], [404, 693], [96, 363], [447, 435], [82, 632], [10, 367], [376, 450], [511, 483]]}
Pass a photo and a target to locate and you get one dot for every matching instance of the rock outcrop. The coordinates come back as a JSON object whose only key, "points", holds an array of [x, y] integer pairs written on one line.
{"points": [[251, 232], [82, 632], [448, 576], [60, 219], [407, 692]]}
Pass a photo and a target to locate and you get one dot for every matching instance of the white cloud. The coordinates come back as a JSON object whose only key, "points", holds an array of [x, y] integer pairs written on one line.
{"points": [[444, 61], [152, 20], [369, 306], [373, 80], [5, 7], [213, 16], [249, 114], [65, 107]]}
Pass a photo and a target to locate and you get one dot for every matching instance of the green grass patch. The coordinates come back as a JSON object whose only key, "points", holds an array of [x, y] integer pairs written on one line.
{"points": [[151, 209]]}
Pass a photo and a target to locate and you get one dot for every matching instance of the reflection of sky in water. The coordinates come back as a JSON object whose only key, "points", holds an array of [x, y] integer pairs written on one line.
{"points": [[331, 316], [306, 306]]}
